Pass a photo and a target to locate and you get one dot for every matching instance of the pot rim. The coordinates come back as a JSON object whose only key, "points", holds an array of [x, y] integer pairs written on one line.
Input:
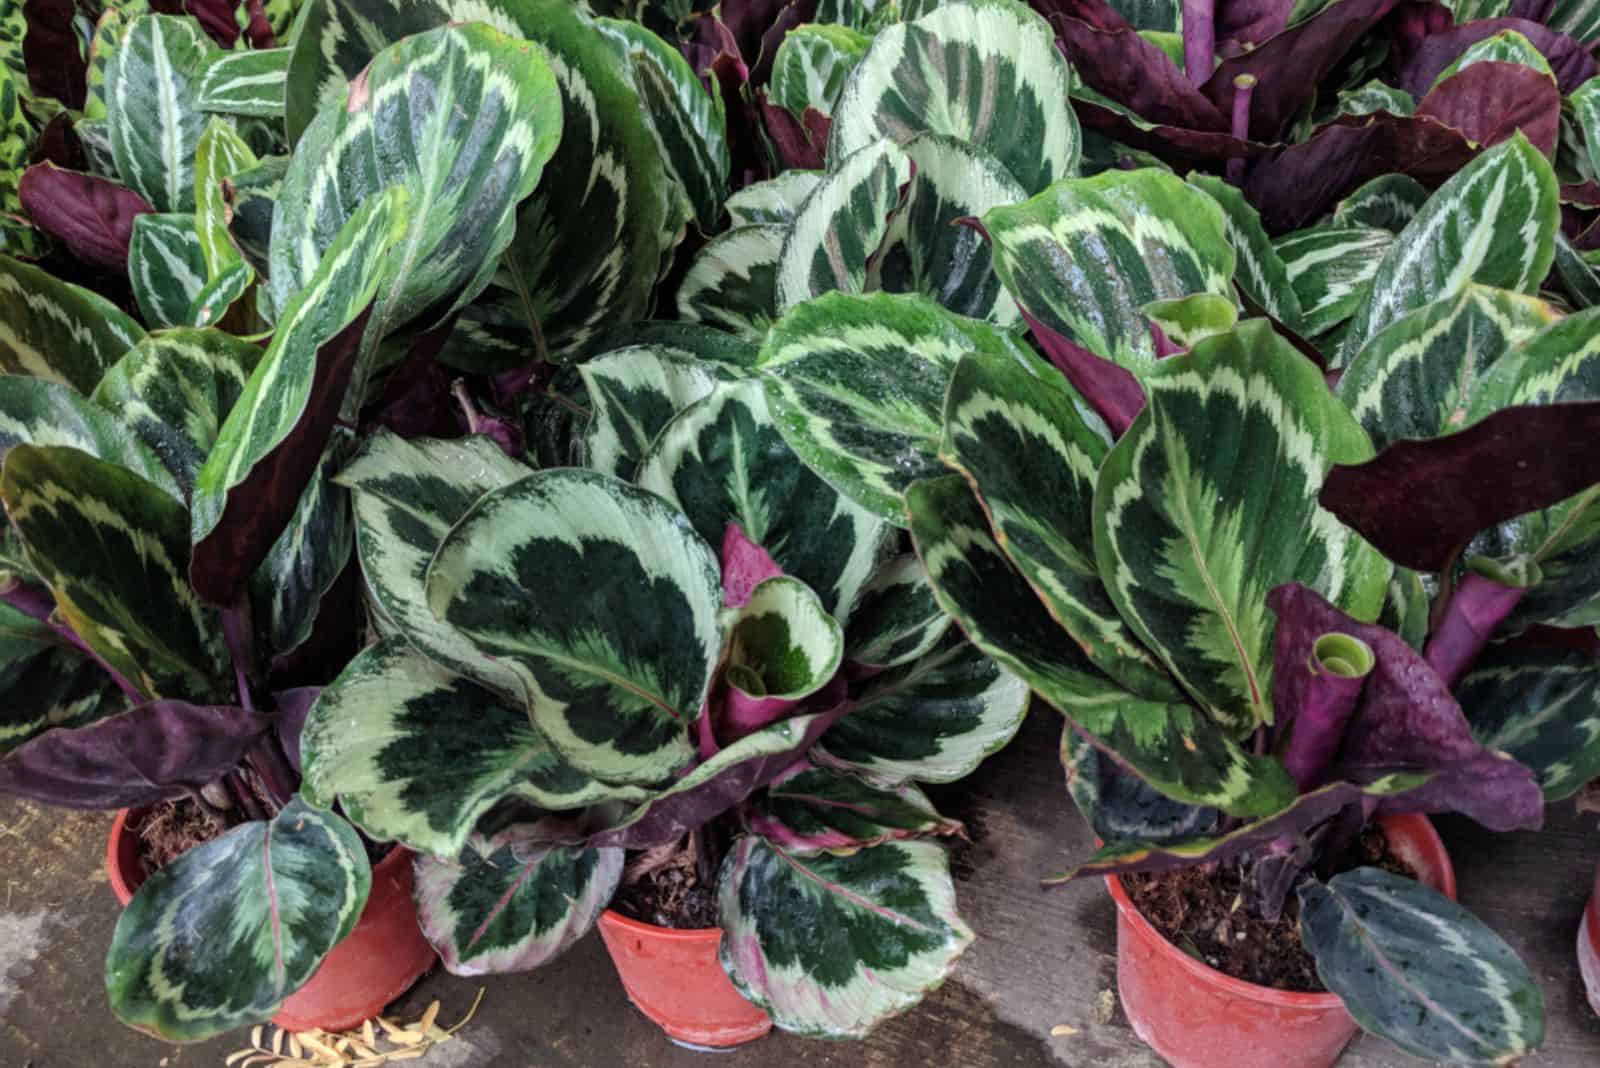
{"points": [[613, 918], [1240, 988]]}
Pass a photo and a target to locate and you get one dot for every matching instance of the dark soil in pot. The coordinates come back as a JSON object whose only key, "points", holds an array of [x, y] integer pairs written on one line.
{"points": [[1201, 912], [671, 895], [172, 828]]}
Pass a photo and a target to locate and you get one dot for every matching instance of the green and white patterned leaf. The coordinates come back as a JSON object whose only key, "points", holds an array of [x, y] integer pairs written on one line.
{"points": [[811, 65], [1387, 202], [722, 460], [1584, 104], [603, 602], [416, 755], [1022, 443], [13, 27], [1209, 502], [222, 295], [857, 384], [174, 389], [633, 393], [114, 551], [1494, 222], [898, 618], [166, 266], [1375, 96], [926, 252], [36, 412], [1120, 807], [1421, 376], [406, 496], [464, 119], [776, 200], [1543, 708], [57, 331], [1331, 269], [152, 89], [253, 197], [934, 719], [1416, 968], [273, 410], [733, 282], [986, 72], [512, 901], [831, 945], [16, 145], [1087, 254], [1405, 610], [841, 225], [1507, 46], [783, 643], [815, 808], [220, 155], [43, 686], [107, 34], [1579, 19], [689, 122], [1259, 271], [222, 935], [245, 83], [1187, 321], [591, 238]]}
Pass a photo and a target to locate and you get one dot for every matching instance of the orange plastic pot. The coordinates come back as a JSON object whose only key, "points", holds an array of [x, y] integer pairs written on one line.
{"points": [[676, 979], [376, 962], [1197, 1017], [1589, 946]]}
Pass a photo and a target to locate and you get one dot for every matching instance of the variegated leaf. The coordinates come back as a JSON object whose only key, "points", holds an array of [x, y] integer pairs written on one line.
{"points": [[1023, 444], [985, 72], [1543, 708], [1119, 806], [1584, 105], [166, 266], [776, 200], [898, 618], [1088, 253], [1579, 19], [111, 547], [1259, 271], [36, 412], [267, 900], [814, 808], [1387, 202], [417, 755], [174, 389], [1420, 377], [152, 91], [43, 686], [220, 155], [103, 41], [406, 496], [1187, 321], [841, 225], [733, 282], [273, 438], [1507, 46], [857, 384], [252, 199], [1416, 968], [691, 339], [1494, 222], [1331, 268], [811, 65], [222, 296], [723, 461], [58, 331], [603, 602], [783, 644], [831, 945], [464, 119], [633, 393], [1375, 96], [934, 719], [245, 83], [512, 901], [16, 145]]}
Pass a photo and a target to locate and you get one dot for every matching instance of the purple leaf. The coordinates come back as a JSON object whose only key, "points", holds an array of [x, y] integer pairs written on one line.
{"points": [[745, 565], [1249, 22], [1181, 147], [1113, 390], [1476, 607], [1314, 692], [292, 708], [52, 52], [91, 216], [1199, 40], [1418, 502], [742, 715], [1412, 24], [1569, 60], [217, 18], [505, 433], [151, 753], [1490, 101], [259, 507], [799, 145]]}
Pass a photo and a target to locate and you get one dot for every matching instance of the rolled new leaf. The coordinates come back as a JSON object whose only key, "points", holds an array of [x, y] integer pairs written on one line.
{"points": [[831, 945], [1415, 968], [783, 648], [1317, 681], [1485, 596], [222, 935]]}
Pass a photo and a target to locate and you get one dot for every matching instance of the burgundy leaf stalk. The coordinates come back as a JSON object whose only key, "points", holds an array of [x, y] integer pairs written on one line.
{"points": [[1199, 39], [1329, 685], [1476, 607], [503, 432], [39, 604], [1244, 87]]}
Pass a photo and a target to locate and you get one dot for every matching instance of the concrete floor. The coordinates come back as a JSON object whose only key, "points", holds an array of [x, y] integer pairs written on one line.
{"points": [[1042, 959]]}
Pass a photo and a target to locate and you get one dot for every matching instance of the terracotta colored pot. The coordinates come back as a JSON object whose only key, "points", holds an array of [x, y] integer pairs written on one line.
{"points": [[675, 978], [1589, 946], [1197, 1017], [376, 962]]}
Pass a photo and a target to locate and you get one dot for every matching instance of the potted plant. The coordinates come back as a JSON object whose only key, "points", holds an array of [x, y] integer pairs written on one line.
{"points": [[747, 723]]}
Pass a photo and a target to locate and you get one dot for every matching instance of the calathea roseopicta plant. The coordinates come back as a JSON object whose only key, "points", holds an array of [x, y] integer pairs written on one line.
{"points": [[722, 658], [175, 539]]}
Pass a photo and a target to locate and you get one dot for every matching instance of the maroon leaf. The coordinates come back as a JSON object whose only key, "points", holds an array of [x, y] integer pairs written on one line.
{"points": [[259, 508], [1569, 59], [293, 708], [1249, 22], [1490, 101], [800, 146], [1176, 145], [52, 52], [1112, 390], [1419, 502], [58, 143], [151, 753], [1411, 24], [91, 216], [217, 18]]}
